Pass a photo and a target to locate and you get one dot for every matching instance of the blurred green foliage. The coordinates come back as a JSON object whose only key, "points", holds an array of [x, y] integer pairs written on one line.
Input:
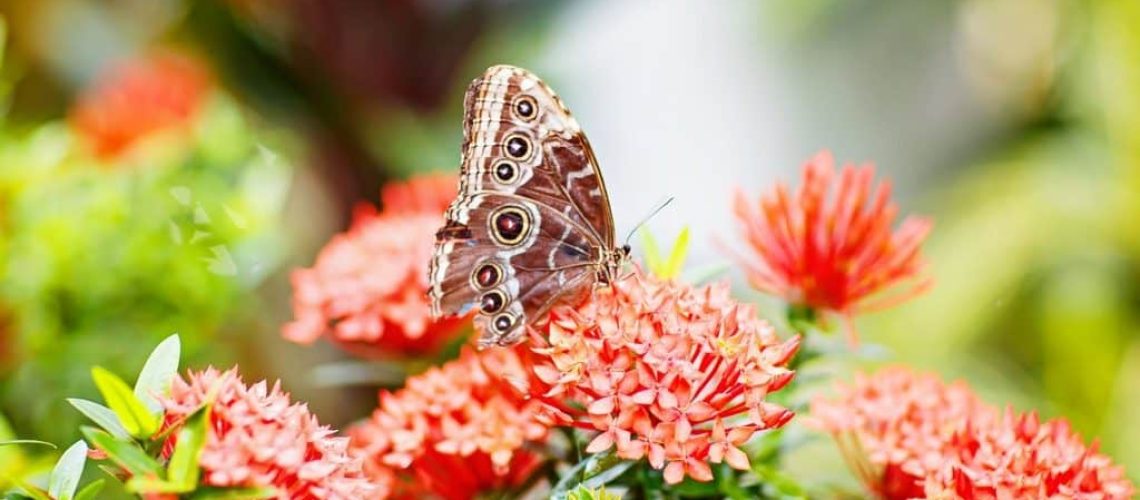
{"points": [[16, 464], [102, 260]]}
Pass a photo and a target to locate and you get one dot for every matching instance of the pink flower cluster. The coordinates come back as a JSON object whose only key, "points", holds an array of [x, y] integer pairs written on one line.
{"points": [[257, 437], [1018, 456], [909, 435], [675, 374], [367, 289], [455, 430]]}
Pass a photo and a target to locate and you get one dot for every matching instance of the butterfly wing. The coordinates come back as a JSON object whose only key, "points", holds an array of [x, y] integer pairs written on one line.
{"points": [[532, 219]]}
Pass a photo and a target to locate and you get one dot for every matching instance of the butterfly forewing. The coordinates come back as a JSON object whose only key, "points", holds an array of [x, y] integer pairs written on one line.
{"points": [[532, 221]]}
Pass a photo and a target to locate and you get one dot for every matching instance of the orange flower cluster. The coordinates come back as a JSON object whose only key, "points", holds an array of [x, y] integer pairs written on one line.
{"points": [[1018, 456], [258, 438], [909, 435], [457, 430], [895, 420], [832, 250], [664, 371], [367, 290], [139, 98]]}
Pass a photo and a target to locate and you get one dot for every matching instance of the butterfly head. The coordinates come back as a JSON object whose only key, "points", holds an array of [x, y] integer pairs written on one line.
{"points": [[612, 263]]}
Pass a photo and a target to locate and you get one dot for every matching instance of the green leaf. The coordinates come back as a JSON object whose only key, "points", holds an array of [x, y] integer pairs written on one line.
{"points": [[600, 478], [660, 267], [233, 493], [101, 415], [583, 493], [126, 454], [651, 252], [115, 472], [26, 441], [571, 478], [91, 490], [692, 488], [32, 491], [677, 255], [65, 476], [803, 318], [592, 473], [133, 414], [782, 484], [183, 468], [728, 482], [139, 484], [158, 371]]}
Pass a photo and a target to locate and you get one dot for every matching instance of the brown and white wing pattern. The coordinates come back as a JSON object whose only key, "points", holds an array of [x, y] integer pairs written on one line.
{"points": [[532, 220]]}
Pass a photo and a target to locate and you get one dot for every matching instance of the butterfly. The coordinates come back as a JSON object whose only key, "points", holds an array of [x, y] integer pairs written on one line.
{"points": [[532, 225]]}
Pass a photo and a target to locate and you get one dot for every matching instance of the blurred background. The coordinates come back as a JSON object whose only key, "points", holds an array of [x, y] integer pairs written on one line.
{"points": [[1014, 123]]}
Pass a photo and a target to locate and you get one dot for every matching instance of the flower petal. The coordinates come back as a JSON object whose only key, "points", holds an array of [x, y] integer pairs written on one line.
{"points": [[674, 473], [737, 459], [601, 442]]}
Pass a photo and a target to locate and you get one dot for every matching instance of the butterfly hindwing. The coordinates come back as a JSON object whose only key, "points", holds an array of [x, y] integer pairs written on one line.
{"points": [[509, 259]]}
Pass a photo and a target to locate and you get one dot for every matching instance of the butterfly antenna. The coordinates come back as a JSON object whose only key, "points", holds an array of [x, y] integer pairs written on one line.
{"points": [[655, 211]]}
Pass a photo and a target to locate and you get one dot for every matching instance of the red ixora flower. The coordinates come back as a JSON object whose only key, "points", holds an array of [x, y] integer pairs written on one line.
{"points": [[367, 290], [155, 93], [456, 430], [891, 427], [664, 371], [1018, 456], [832, 251], [909, 435], [259, 438]]}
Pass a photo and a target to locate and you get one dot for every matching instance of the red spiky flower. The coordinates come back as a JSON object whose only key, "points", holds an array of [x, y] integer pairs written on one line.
{"points": [[831, 246], [367, 289], [663, 371], [159, 92]]}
